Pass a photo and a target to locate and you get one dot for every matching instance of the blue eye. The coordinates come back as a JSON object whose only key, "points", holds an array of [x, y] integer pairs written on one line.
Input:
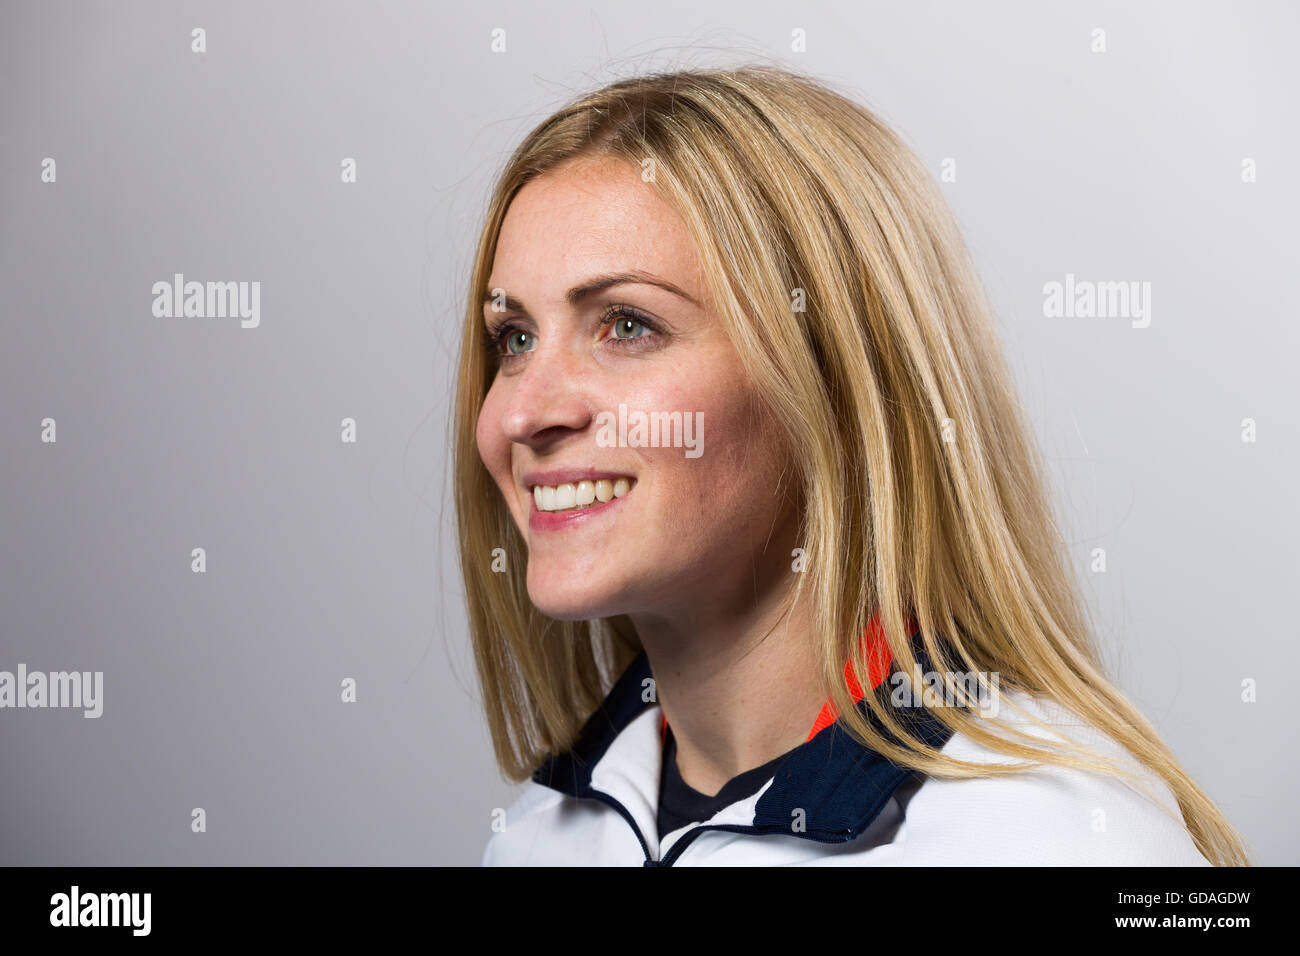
{"points": [[508, 341], [518, 341], [630, 325], [629, 329]]}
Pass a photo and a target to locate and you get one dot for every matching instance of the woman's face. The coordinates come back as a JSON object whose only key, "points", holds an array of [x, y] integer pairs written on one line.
{"points": [[606, 324]]}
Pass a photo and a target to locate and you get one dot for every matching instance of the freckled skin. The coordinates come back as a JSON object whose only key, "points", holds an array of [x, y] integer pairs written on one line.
{"points": [[689, 540]]}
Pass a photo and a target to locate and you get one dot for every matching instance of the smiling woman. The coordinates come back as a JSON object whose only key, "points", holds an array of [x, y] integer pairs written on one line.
{"points": [[750, 250], [607, 306]]}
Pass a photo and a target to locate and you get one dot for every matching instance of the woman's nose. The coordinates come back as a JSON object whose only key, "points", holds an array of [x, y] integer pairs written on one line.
{"points": [[548, 398]]}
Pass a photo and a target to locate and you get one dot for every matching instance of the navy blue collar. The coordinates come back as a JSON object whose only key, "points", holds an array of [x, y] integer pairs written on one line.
{"points": [[838, 784]]}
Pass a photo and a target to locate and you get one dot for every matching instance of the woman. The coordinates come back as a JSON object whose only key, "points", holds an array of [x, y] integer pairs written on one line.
{"points": [[751, 436]]}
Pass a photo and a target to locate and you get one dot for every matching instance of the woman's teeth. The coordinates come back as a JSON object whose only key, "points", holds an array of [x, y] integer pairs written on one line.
{"points": [[582, 494]]}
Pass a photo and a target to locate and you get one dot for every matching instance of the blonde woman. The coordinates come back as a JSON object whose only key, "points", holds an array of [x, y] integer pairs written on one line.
{"points": [[777, 580]]}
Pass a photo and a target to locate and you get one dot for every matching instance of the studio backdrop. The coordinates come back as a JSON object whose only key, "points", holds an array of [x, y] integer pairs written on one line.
{"points": [[234, 523]]}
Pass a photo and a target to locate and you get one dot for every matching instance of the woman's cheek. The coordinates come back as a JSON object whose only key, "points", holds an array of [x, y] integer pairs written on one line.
{"points": [[493, 446]]}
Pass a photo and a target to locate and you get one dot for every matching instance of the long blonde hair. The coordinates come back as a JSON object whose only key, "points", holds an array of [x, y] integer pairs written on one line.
{"points": [[923, 497]]}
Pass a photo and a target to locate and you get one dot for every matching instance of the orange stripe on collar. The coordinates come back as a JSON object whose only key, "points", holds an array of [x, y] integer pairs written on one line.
{"points": [[878, 659]]}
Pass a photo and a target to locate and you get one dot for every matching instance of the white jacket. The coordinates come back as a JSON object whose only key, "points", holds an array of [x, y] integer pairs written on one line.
{"points": [[834, 802]]}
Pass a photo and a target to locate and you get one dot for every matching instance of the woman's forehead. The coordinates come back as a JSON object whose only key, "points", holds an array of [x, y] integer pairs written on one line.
{"points": [[593, 216]]}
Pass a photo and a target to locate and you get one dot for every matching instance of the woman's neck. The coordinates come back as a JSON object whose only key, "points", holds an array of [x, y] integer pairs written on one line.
{"points": [[739, 685]]}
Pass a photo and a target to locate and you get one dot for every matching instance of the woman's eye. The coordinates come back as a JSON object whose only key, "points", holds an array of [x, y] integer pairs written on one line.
{"points": [[519, 341], [629, 328]]}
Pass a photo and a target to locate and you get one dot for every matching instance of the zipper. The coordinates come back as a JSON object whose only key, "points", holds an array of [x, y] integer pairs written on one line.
{"points": [[690, 836], [678, 847]]}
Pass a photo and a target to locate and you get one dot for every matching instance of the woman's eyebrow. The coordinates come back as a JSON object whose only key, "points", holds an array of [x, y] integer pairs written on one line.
{"points": [[597, 284], [601, 282]]}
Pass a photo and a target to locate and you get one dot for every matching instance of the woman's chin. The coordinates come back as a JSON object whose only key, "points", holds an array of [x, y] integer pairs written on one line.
{"points": [[572, 601], [566, 602]]}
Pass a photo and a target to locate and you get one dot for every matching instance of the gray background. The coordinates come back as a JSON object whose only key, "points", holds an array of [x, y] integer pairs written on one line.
{"points": [[328, 560]]}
